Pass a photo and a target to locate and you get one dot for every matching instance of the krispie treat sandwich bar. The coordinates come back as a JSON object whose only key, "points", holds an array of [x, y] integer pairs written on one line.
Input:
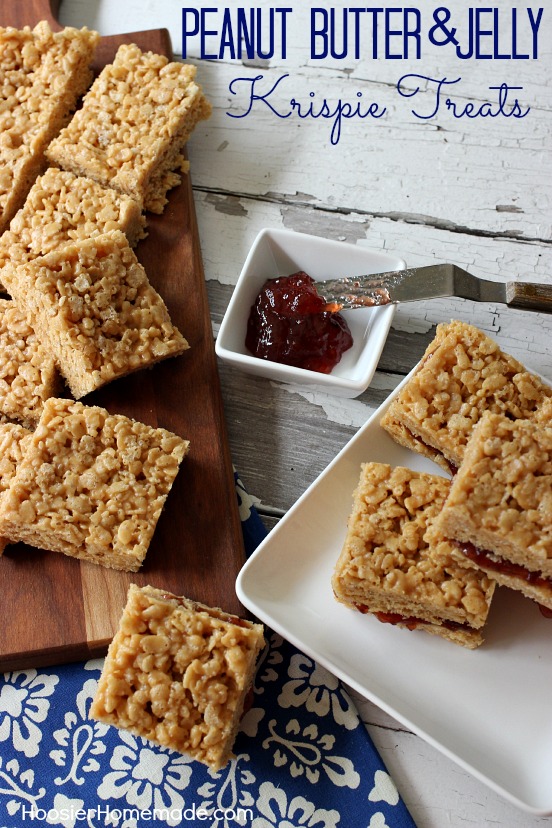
{"points": [[95, 311], [13, 441], [91, 485], [499, 510], [177, 673], [28, 375], [387, 567], [42, 75], [462, 374], [131, 130]]}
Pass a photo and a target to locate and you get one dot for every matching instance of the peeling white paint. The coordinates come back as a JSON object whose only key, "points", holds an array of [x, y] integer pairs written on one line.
{"points": [[226, 239], [382, 381], [454, 176]]}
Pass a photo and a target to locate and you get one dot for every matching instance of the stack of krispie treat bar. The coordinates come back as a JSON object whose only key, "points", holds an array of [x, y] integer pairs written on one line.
{"points": [[75, 478], [86, 300], [178, 673], [387, 566], [486, 420], [131, 130], [85, 483], [42, 75], [462, 374], [106, 332], [499, 511]]}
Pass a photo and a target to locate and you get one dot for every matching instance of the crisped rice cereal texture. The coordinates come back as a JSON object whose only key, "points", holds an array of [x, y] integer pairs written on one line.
{"points": [[91, 485], [387, 566], [62, 207], [177, 673], [95, 310], [132, 127], [462, 374], [13, 440], [501, 503], [42, 75], [28, 374]]}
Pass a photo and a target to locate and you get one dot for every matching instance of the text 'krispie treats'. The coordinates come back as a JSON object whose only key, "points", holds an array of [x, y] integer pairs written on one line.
{"points": [[177, 673], [93, 307], [387, 566], [462, 374], [28, 375], [91, 485], [42, 75], [62, 207], [132, 127], [499, 510]]}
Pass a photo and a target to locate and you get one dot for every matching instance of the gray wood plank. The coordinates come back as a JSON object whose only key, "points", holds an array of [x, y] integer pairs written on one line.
{"points": [[279, 442]]}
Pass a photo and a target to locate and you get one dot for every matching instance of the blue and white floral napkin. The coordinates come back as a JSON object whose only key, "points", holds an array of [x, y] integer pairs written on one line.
{"points": [[303, 757]]}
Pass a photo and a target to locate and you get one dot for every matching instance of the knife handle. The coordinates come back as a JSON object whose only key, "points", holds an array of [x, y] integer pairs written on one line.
{"points": [[527, 296]]}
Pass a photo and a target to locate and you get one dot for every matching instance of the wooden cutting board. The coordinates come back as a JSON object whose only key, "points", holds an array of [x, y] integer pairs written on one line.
{"points": [[54, 608]]}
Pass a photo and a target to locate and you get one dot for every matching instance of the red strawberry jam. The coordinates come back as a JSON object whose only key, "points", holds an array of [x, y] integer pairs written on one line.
{"points": [[288, 324]]}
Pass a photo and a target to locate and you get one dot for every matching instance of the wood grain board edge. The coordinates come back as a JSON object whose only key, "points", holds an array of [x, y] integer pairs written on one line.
{"points": [[101, 591]]}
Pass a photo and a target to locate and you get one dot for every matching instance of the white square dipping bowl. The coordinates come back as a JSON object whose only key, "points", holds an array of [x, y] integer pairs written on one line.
{"points": [[283, 252]]}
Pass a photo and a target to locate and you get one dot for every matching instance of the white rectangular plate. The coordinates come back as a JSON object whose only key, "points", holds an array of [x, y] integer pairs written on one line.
{"points": [[487, 709]]}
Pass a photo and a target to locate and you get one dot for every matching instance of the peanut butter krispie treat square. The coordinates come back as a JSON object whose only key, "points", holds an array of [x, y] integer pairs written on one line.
{"points": [[28, 374], [499, 510], [42, 75], [91, 485], [177, 673], [95, 310], [387, 565], [462, 374], [134, 122], [62, 207], [13, 441]]}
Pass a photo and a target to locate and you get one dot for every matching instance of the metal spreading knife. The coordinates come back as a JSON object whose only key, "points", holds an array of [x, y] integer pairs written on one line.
{"points": [[431, 282]]}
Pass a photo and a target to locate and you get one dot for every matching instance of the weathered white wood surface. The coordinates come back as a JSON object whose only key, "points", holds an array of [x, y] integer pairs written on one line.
{"points": [[484, 175], [476, 193]]}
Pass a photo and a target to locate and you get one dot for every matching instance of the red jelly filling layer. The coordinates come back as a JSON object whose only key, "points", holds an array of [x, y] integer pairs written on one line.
{"points": [[288, 324], [485, 560], [410, 621]]}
